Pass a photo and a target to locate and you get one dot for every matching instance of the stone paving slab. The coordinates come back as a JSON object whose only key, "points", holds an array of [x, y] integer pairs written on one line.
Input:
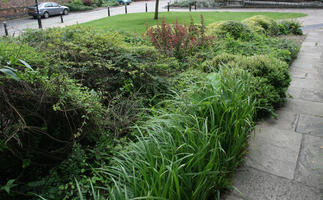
{"points": [[315, 73], [299, 64], [307, 60], [310, 166], [311, 125], [285, 121], [304, 107], [299, 74], [258, 185], [315, 76], [312, 95], [274, 151], [294, 92], [306, 55], [306, 83]]}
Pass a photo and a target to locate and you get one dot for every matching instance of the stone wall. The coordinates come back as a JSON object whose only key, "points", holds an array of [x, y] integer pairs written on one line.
{"points": [[17, 8]]}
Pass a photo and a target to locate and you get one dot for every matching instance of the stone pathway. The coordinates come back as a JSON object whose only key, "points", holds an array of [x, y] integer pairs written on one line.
{"points": [[312, 26], [285, 159]]}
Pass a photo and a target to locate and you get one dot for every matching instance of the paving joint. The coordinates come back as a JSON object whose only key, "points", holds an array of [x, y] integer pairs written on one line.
{"points": [[298, 157]]}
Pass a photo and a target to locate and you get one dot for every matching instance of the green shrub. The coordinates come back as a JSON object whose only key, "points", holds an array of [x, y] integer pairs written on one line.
{"points": [[235, 29], [183, 3], [43, 114], [262, 24], [288, 49], [290, 27], [273, 73], [99, 3], [78, 7], [128, 74], [11, 51], [198, 139], [110, 3], [282, 49], [88, 2]]}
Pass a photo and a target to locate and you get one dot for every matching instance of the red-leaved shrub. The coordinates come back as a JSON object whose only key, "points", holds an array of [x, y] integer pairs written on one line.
{"points": [[87, 2], [178, 40]]}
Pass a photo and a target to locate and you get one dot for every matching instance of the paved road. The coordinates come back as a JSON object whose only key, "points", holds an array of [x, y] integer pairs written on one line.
{"points": [[18, 25], [314, 18]]}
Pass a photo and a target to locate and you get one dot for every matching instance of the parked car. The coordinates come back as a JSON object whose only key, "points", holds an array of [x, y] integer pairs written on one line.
{"points": [[123, 2], [48, 9]]}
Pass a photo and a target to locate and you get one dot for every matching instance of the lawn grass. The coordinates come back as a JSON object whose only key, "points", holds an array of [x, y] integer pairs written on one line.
{"points": [[138, 22]]}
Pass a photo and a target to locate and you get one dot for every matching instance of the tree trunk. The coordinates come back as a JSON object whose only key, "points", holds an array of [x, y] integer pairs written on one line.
{"points": [[156, 9]]}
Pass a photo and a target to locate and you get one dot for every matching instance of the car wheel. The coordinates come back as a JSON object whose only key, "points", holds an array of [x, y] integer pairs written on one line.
{"points": [[46, 15], [65, 12]]}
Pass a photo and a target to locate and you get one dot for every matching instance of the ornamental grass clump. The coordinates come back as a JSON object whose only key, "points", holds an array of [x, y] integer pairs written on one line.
{"points": [[191, 147]]}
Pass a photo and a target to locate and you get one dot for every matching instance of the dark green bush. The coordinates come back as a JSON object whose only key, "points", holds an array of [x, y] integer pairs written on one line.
{"points": [[234, 29], [111, 3], [273, 76], [99, 3], [44, 116], [78, 7], [182, 3], [105, 62], [290, 27]]}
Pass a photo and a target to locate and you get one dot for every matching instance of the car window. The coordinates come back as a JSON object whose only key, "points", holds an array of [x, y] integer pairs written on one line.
{"points": [[54, 4], [48, 5], [39, 4]]}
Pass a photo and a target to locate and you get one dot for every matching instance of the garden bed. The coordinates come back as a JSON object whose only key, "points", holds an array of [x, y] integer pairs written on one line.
{"points": [[99, 114]]}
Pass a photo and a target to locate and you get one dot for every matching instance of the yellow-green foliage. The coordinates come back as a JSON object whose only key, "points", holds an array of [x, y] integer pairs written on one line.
{"points": [[213, 27], [235, 29], [262, 24]]}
